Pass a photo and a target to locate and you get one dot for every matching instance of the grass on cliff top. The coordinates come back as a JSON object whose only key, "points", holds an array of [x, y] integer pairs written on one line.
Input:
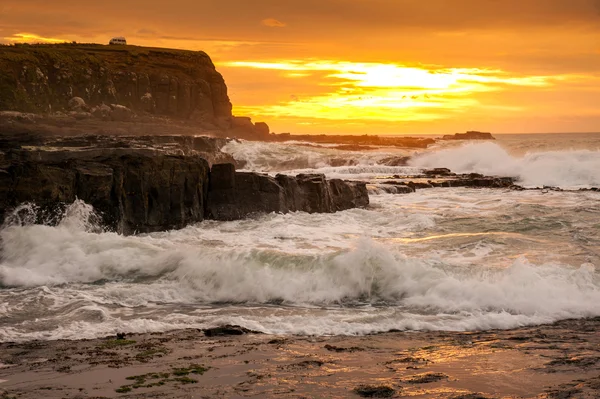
{"points": [[73, 55], [92, 48], [20, 63]]}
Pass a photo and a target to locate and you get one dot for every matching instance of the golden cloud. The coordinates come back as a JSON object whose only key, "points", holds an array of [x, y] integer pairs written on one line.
{"points": [[31, 38], [387, 91], [273, 23]]}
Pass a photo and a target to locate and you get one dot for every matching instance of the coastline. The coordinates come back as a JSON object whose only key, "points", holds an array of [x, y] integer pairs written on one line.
{"points": [[560, 360]]}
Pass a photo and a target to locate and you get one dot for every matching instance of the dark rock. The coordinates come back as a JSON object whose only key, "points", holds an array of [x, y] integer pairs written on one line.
{"points": [[394, 188], [426, 378], [131, 191], [419, 185], [173, 83], [470, 135], [438, 172], [371, 391], [262, 129], [77, 104], [471, 396], [394, 161], [144, 183], [227, 330], [337, 162], [121, 113], [339, 349], [234, 195]]}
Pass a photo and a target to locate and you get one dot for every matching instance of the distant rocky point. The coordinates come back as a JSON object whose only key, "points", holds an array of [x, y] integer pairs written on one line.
{"points": [[470, 135]]}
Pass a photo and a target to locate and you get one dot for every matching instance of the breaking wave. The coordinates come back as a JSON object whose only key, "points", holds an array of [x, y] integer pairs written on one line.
{"points": [[566, 169], [87, 274]]}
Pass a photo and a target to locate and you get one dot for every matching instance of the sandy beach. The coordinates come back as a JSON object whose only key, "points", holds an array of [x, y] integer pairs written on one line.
{"points": [[561, 360]]}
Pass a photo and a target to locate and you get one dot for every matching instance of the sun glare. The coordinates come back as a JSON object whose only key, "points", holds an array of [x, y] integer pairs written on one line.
{"points": [[31, 38], [384, 92]]}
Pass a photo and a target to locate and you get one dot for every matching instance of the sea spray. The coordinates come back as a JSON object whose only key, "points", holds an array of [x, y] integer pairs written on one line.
{"points": [[566, 169], [437, 259]]}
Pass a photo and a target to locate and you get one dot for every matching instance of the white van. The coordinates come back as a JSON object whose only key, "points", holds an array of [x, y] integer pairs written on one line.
{"points": [[118, 40]]}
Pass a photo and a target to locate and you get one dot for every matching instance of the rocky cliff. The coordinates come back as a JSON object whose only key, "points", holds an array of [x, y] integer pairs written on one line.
{"points": [[153, 183], [118, 83]]}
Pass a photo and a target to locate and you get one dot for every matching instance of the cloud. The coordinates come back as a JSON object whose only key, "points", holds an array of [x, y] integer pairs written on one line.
{"points": [[273, 23], [31, 38]]}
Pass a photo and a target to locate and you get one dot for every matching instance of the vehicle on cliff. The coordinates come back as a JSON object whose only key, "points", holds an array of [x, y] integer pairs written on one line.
{"points": [[118, 40]]}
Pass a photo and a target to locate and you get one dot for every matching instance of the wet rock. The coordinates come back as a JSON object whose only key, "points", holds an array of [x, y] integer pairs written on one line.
{"points": [[438, 172], [337, 162], [306, 364], [581, 362], [102, 111], [131, 191], [227, 330], [234, 195], [371, 391], [419, 185], [426, 378], [391, 188], [339, 349], [77, 104], [120, 113], [394, 161]]}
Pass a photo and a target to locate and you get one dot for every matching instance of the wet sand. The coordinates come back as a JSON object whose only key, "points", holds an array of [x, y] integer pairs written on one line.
{"points": [[558, 361]]}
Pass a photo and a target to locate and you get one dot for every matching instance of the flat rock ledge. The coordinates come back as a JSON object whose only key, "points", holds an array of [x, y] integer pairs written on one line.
{"points": [[137, 191]]}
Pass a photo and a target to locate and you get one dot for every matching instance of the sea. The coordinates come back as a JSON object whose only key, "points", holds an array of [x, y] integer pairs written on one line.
{"points": [[458, 259]]}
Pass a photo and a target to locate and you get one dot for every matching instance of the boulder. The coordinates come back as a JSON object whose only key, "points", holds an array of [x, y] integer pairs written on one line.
{"points": [[77, 104], [120, 113], [102, 111], [438, 172], [262, 129]]}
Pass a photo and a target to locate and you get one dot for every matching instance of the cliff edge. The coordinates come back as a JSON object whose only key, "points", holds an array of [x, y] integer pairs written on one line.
{"points": [[118, 84]]}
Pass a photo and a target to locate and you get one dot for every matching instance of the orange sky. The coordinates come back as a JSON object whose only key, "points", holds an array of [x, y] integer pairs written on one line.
{"points": [[365, 66]]}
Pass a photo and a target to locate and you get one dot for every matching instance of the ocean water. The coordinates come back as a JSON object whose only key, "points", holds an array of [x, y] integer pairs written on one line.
{"points": [[437, 259]]}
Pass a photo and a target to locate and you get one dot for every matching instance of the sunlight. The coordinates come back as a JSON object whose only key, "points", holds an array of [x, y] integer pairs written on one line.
{"points": [[31, 38], [384, 92]]}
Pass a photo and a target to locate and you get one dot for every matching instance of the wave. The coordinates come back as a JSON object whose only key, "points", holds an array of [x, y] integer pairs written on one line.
{"points": [[135, 271], [294, 156], [566, 169]]}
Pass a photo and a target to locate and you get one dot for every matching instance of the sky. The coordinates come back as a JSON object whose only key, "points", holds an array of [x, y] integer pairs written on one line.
{"points": [[364, 66]]}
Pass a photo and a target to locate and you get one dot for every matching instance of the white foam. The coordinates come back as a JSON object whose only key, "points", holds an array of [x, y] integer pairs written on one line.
{"points": [[568, 169], [438, 259], [297, 157]]}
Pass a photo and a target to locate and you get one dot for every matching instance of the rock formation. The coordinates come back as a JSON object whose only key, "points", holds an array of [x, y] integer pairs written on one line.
{"points": [[470, 135], [154, 183], [119, 84], [234, 195], [131, 191]]}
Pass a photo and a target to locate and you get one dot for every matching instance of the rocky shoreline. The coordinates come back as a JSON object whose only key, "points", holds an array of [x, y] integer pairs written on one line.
{"points": [[154, 183], [560, 360]]}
